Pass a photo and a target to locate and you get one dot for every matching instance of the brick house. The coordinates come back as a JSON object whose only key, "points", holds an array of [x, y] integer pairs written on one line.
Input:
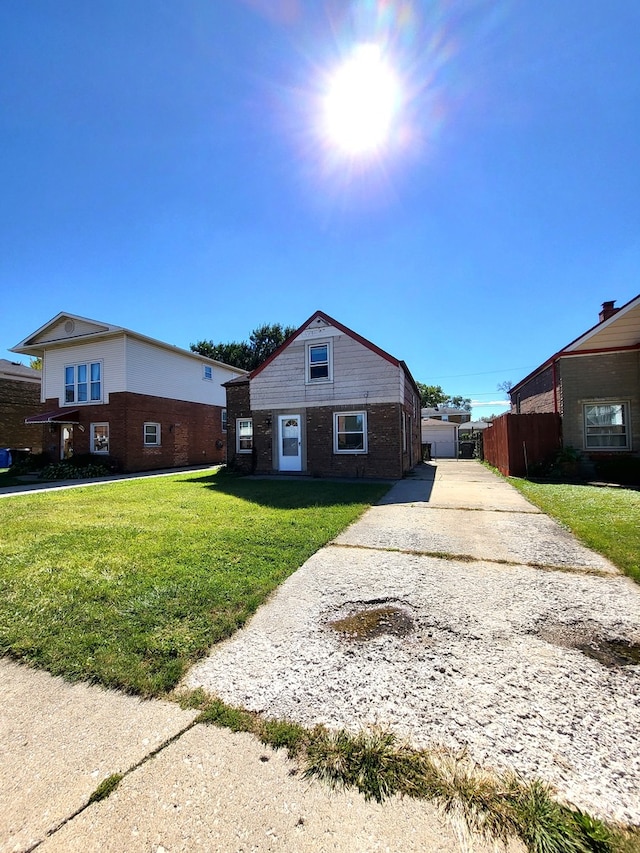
{"points": [[594, 385], [327, 403], [115, 393], [19, 398]]}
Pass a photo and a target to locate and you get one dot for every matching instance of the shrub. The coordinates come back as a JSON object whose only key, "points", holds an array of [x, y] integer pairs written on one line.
{"points": [[619, 469], [29, 463]]}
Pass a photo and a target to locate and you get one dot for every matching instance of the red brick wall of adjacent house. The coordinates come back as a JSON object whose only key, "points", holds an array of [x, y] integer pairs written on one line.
{"points": [[19, 400], [536, 395], [190, 432]]}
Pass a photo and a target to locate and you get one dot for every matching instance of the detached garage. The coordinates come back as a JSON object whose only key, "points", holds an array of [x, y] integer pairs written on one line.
{"points": [[442, 436]]}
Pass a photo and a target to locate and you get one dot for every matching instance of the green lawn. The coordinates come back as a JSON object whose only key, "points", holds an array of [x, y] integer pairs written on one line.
{"points": [[128, 583], [607, 520]]}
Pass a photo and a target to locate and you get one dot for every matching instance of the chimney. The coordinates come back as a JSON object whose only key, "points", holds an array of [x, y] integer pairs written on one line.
{"points": [[607, 311]]}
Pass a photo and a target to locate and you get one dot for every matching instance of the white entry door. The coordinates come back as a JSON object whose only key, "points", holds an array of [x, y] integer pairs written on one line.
{"points": [[289, 443]]}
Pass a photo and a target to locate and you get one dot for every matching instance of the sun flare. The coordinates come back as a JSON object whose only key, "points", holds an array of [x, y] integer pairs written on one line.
{"points": [[361, 102]]}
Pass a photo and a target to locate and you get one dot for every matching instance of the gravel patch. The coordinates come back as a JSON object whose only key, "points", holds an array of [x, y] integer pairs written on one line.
{"points": [[490, 660]]}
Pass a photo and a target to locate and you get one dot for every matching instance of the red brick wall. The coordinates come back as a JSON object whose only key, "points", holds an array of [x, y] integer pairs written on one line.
{"points": [[238, 406], [189, 432], [19, 400], [536, 395]]}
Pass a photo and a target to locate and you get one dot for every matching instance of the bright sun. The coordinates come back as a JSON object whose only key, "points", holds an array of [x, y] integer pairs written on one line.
{"points": [[361, 102]]}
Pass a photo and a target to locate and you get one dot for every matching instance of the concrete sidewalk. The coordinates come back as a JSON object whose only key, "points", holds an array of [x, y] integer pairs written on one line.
{"points": [[189, 787]]}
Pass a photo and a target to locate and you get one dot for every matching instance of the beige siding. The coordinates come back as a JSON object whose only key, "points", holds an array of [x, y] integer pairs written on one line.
{"points": [[360, 376], [160, 372], [621, 330], [110, 352]]}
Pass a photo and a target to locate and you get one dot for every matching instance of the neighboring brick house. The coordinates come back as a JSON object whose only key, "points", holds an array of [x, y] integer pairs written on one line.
{"points": [[115, 393], [593, 384], [327, 403], [19, 398]]}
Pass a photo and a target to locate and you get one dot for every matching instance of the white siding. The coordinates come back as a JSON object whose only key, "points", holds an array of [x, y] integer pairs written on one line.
{"points": [[161, 372], [58, 332], [360, 376], [110, 352]]}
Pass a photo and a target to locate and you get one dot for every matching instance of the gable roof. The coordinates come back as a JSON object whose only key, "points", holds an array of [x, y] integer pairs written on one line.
{"points": [[16, 370], [67, 328], [621, 331], [329, 321]]}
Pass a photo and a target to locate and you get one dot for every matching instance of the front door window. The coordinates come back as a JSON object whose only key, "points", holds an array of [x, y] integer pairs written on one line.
{"points": [[66, 441], [290, 443]]}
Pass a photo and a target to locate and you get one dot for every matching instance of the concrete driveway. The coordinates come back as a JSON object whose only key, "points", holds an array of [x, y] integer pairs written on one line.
{"points": [[481, 650], [490, 629]]}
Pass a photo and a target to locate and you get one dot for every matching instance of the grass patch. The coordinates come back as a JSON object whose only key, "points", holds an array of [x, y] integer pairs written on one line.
{"points": [[106, 787], [129, 583], [605, 519], [497, 808]]}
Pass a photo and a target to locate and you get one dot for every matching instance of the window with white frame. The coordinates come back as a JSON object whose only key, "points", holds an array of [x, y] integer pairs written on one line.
{"points": [[350, 432], [99, 438], [224, 420], [152, 435], [319, 367], [83, 382], [244, 435], [606, 426], [207, 371]]}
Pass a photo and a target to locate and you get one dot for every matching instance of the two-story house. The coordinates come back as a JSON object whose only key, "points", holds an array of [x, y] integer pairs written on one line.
{"points": [[115, 393], [327, 403]]}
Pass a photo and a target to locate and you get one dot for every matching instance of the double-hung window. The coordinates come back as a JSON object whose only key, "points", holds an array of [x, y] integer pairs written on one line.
{"points": [[244, 435], [83, 382], [606, 426], [224, 420], [318, 367], [207, 371], [152, 435], [99, 438], [350, 432]]}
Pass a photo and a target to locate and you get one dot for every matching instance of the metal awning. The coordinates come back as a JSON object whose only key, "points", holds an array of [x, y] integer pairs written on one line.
{"points": [[58, 416]]}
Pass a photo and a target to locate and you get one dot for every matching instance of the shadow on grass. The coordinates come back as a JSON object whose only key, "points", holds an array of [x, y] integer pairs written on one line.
{"points": [[292, 493]]}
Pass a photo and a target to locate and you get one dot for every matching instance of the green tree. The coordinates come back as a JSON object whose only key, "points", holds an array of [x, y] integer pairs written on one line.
{"points": [[35, 363], [247, 355], [433, 395]]}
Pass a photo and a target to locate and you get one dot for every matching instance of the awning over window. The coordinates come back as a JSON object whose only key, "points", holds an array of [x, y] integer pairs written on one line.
{"points": [[58, 416]]}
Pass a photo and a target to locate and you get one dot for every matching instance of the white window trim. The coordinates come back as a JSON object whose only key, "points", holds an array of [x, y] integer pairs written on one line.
{"points": [[243, 449], [75, 401], [223, 420], [205, 368], [92, 447], [158, 441], [365, 434], [307, 355], [626, 405]]}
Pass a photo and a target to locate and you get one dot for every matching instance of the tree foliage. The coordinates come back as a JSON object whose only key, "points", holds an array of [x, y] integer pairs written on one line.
{"points": [[247, 355], [433, 395], [35, 363]]}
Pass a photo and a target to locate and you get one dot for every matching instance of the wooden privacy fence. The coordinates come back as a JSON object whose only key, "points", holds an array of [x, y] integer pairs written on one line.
{"points": [[516, 442]]}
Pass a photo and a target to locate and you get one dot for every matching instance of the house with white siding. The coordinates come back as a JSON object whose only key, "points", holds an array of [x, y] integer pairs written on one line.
{"points": [[327, 402], [137, 401]]}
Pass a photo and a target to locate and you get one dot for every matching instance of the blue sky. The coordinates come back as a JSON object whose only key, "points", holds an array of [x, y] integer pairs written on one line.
{"points": [[164, 167]]}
